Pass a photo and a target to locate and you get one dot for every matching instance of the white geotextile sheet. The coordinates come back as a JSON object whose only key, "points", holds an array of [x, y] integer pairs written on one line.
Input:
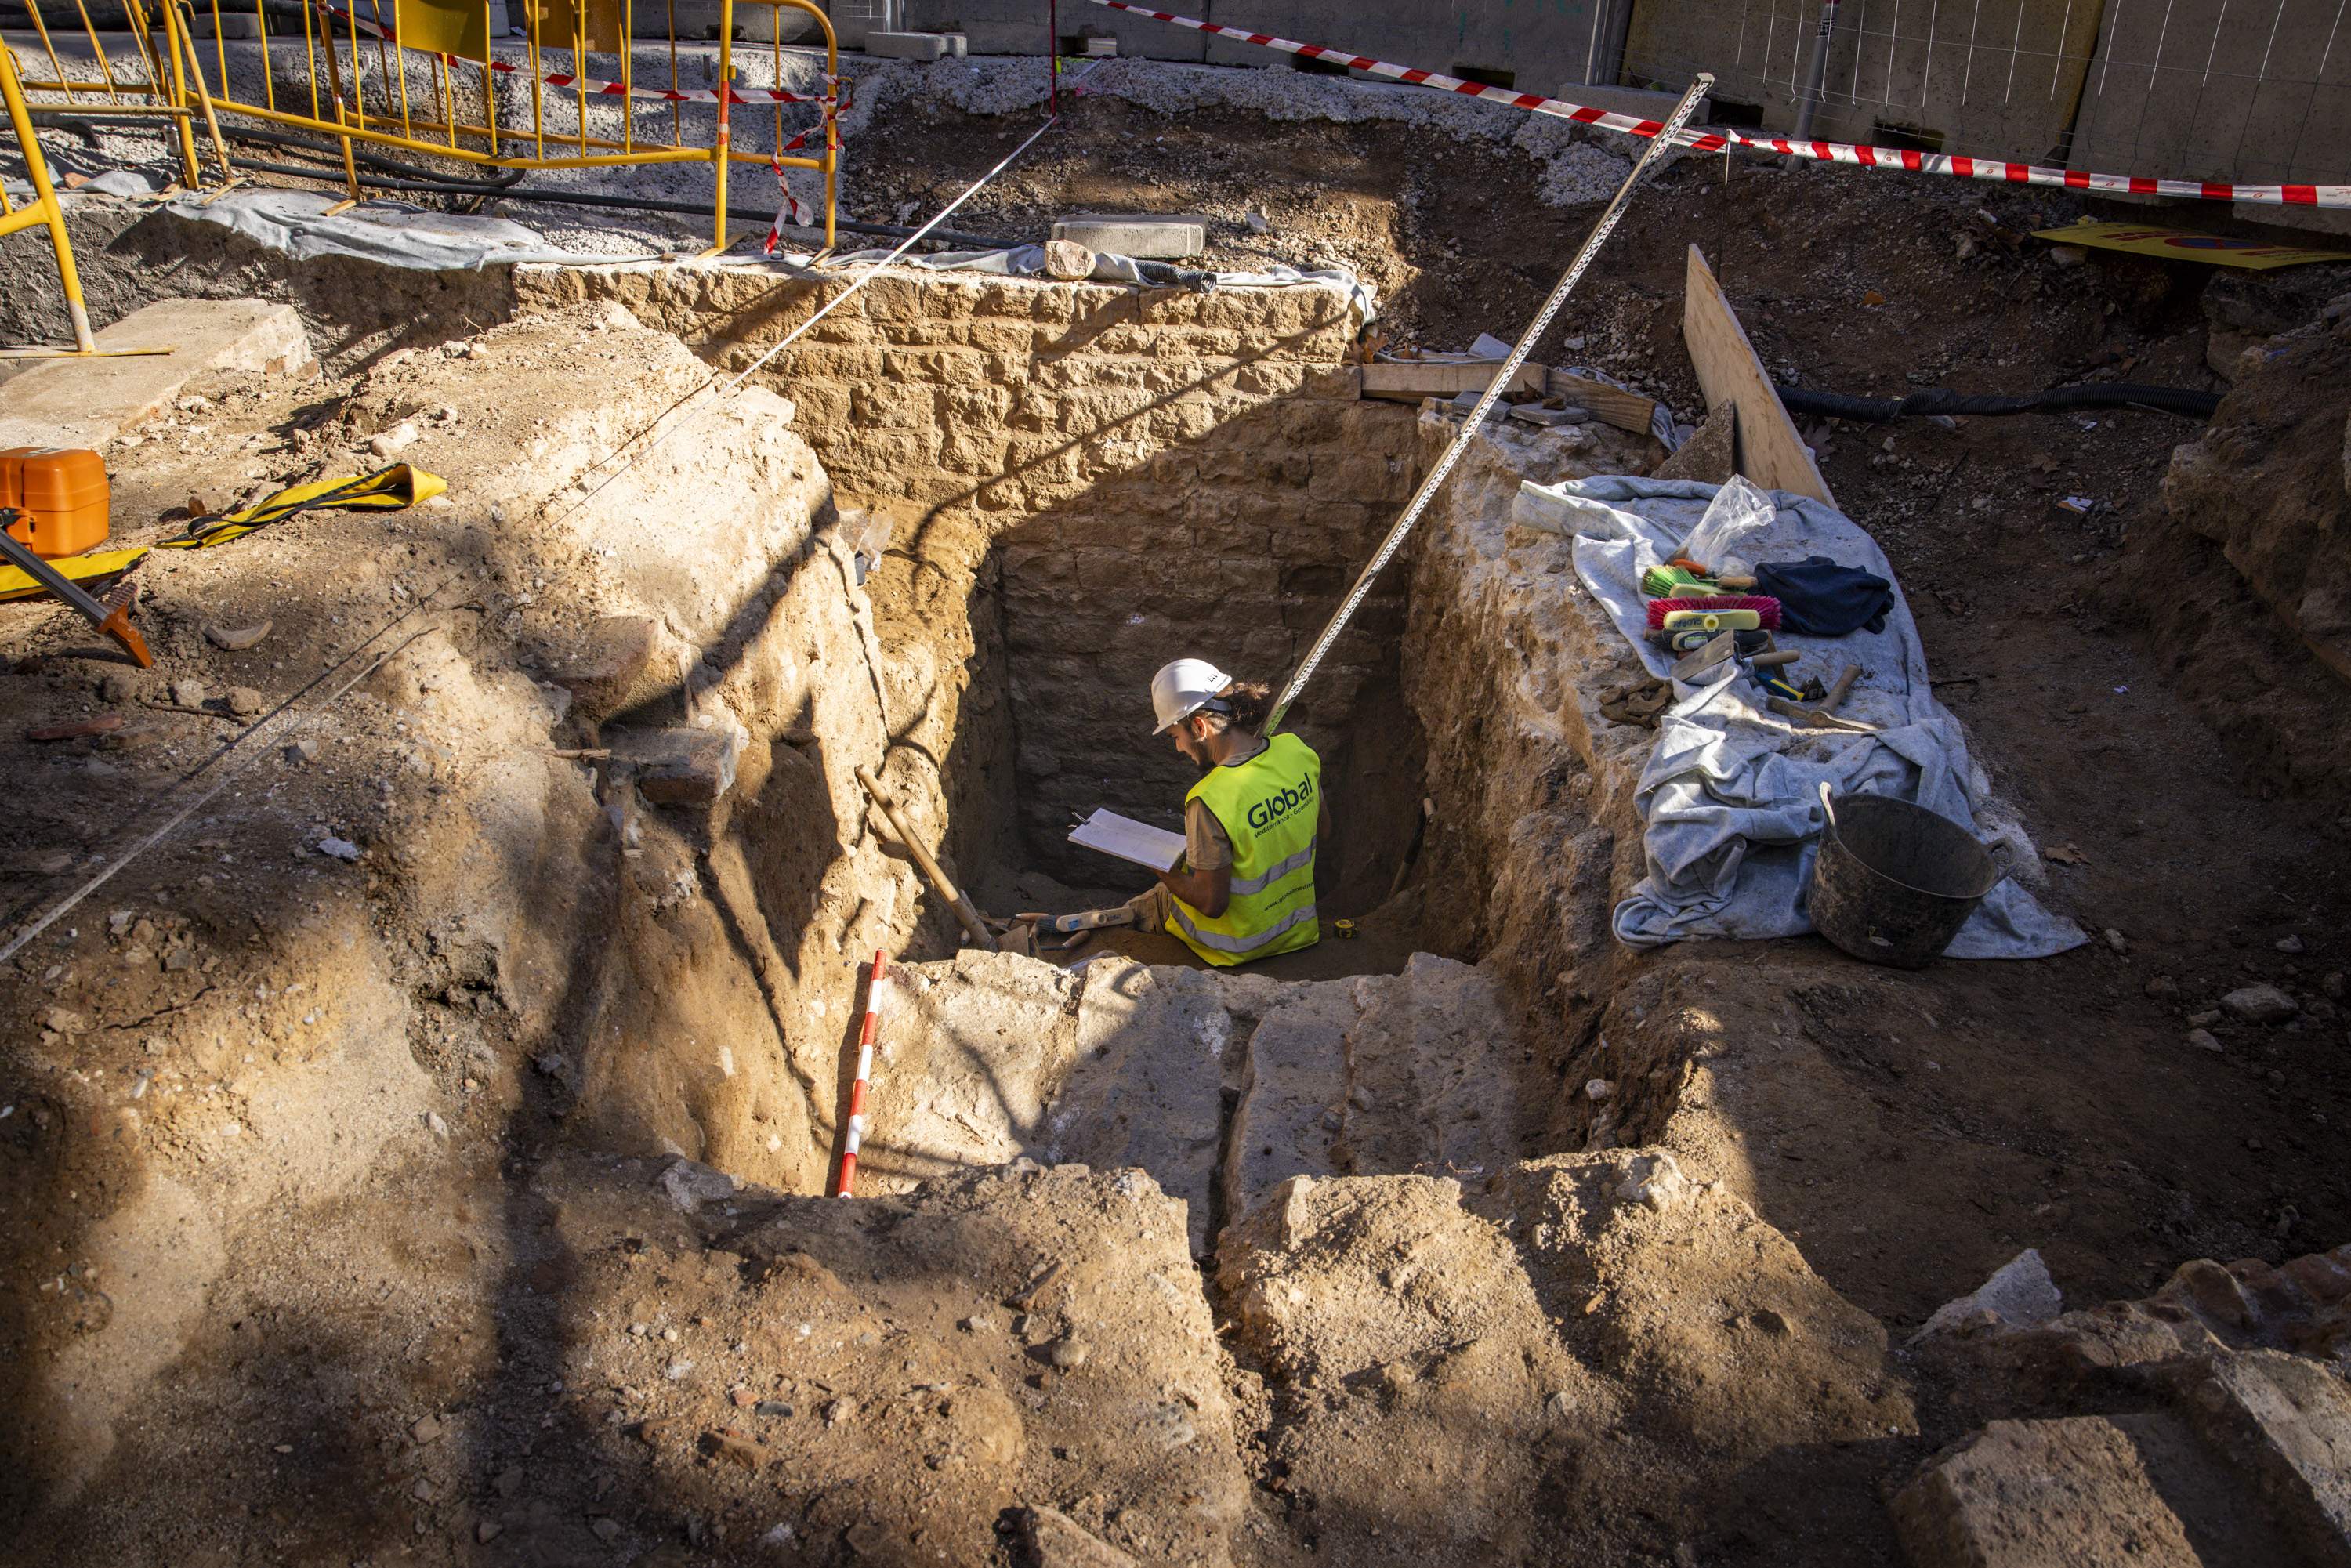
{"points": [[394, 233], [1730, 797]]}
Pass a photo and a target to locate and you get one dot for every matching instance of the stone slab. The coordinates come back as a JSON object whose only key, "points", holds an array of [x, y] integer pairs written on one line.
{"points": [[1422, 1063], [1710, 455], [2041, 1494], [906, 45], [1291, 1089], [2285, 1422], [1148, 1085], [1148, 237], [89, 402], [973, 1050]]}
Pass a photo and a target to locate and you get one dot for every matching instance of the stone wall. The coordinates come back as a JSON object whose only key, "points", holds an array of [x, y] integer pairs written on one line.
{"points": [[1083, 481]]}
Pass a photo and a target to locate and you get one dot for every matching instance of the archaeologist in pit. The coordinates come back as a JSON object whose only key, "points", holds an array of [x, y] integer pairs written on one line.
{"points": [[1245, 887]]}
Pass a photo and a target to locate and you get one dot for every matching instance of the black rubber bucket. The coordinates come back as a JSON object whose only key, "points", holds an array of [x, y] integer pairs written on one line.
{"points": [[1893, 883]]}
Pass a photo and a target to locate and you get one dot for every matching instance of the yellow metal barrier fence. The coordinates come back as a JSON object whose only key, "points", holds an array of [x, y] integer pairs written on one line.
{"points": [[43, 208], [451, 40]]}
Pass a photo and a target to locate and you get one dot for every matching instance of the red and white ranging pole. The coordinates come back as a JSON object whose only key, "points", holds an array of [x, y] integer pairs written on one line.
{"points": [[844, 1187]]}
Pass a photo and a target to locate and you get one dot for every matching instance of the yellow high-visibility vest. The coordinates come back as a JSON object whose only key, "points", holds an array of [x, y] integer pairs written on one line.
{"points": [[1268, 806]]}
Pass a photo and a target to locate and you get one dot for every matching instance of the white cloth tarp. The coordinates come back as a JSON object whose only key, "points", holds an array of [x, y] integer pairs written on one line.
{"points": [[1730, 797], [396, 234]]}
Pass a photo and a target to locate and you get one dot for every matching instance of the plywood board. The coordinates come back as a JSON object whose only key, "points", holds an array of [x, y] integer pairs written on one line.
{"points": [[1409, 381], [1768, 450], [1609, 405]]}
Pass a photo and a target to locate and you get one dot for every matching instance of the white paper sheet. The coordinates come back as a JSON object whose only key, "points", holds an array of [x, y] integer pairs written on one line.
{"points": [[1129, 839]]}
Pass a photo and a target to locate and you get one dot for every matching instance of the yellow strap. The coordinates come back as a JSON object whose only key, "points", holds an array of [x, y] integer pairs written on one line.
{"points": [[17, 584], [386, 490]]}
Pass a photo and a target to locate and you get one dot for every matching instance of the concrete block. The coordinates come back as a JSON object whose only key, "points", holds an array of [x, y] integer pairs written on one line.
{"points": [[1169, 238], [906, 45], [89, 402], [2026, 1494]]}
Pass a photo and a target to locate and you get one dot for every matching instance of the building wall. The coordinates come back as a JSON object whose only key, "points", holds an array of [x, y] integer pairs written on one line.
{"points": [[1544, 45], [2195, 90]]}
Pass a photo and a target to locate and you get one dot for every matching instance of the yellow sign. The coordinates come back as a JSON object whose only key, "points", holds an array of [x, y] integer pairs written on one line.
{"points": [[2185, 245], [443, 26]]}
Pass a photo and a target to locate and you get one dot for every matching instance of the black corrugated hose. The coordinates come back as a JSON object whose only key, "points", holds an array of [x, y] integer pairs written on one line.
{"points": [[2055, 400]]}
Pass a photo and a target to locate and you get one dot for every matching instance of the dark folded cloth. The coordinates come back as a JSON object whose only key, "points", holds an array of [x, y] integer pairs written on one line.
{"points": [[1818, 598]]}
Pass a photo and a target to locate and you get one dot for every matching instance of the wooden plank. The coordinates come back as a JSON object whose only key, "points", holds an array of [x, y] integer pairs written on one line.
{"points": [[1609, 405], [1409, 381], [1768, 449]]}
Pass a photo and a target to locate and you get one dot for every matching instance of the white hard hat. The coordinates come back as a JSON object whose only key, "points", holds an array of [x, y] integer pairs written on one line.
{"points": [[1183, 688]]}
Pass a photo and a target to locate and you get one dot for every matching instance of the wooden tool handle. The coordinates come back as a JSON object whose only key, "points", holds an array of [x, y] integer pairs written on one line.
{"points": [[973, 924], [1772, 661], [1738, 582], [1844, 685]]}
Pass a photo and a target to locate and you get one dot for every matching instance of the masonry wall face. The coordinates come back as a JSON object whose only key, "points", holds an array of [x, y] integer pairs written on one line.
{"points": [[1098, 479]]}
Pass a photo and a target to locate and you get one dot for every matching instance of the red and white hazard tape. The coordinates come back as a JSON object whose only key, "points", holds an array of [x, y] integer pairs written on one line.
{"points": [[856, 1130], [589, 84], [794, 211], [1965, 168]]}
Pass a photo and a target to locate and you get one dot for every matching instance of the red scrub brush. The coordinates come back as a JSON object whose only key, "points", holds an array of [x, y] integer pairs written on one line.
{"points": [[1766, 608]]}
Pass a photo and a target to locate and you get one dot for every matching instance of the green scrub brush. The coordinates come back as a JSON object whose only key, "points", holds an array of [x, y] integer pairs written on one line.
{"points": [[1681, 582]]}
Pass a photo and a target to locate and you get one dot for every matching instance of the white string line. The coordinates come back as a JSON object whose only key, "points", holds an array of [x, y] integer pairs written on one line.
{"points": [[301, 721], [56, 912], [2058, 68]]}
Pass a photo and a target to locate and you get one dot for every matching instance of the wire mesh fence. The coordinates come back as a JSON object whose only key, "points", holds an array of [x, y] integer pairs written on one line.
{"points": [[2250, 91]]}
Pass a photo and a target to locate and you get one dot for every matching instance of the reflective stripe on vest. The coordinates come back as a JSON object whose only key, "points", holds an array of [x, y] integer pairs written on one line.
{"points": [[1268, 807], [1240, 946]]}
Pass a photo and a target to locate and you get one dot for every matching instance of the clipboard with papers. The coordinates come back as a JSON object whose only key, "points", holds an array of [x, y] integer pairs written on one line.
{"points": [[1129, 839]]}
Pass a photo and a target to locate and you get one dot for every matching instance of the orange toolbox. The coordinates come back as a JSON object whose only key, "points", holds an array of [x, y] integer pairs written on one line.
{"points": [[63, 494]]}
